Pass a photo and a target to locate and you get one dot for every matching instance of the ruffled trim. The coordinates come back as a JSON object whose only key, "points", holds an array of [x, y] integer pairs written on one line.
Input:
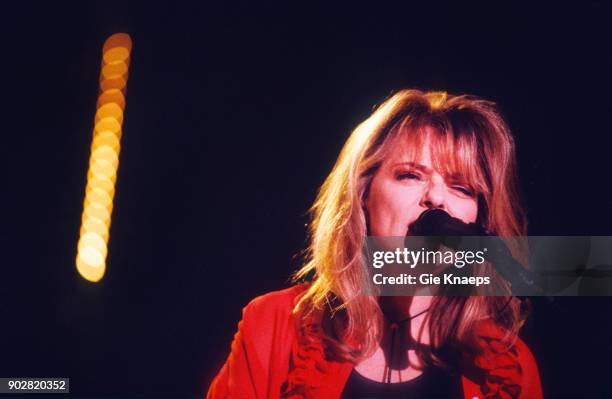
{"points": [[308, 364], [496, 367]]}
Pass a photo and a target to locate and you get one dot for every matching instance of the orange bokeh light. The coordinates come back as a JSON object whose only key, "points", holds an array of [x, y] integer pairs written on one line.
{"points": [[111, 96], [104, 158], [117, 48], [110, 124], [94, 194], [90, 264], [104, 153], [97, 211], [114, 70], [110, 110], [102, 182], [95, 226], [93, 240], [106, 138], [115, 83]]}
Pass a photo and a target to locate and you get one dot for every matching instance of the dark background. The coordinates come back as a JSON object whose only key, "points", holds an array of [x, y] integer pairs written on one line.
{"points": [[235, 114]]}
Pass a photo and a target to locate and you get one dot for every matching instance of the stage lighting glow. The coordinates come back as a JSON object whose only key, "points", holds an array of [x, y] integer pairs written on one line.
{"points": [[110, 110], [117, 48], [115, 83], [116, 55], [92, 225], [104, 159], [102, 182], [116, 70], [92, 263], [95, 241], [97, 211], [104, 155], [106, 138], [110, 124], [99, 196], [112, 96], [91, 257], [104, 168]]}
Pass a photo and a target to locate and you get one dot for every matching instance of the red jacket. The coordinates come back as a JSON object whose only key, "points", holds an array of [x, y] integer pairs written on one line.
{"points": [[269, 361]]}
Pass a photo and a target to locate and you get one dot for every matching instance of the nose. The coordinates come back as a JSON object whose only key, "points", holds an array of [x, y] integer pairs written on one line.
{"points": [[434, 195]]}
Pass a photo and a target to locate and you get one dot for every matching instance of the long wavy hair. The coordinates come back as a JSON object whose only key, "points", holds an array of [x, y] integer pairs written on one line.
{"points": [[470, 137]]}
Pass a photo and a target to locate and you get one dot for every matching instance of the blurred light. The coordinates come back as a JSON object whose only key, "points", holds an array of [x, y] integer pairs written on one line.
{"points": [[94, 210], [110, 110], [106, 138], [104, 154], [110, 124], [102, 182], [110, 71], [101, 172], [93, 240], [99, 196], [112, 96], [115, 83], [104, 159]]}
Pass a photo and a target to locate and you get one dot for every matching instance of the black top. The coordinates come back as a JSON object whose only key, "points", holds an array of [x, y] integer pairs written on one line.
{"points": [[433, 383]]}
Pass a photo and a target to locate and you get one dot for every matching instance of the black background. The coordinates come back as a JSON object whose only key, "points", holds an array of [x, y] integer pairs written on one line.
{"points": [[235, 114]]}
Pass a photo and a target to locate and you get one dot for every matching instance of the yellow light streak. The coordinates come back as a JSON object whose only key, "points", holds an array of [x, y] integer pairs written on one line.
{"points": [[92, 249]]}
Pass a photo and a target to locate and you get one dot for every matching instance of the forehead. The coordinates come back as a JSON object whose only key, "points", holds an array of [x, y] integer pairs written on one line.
{"points": [[444, 152], [409, 151]]}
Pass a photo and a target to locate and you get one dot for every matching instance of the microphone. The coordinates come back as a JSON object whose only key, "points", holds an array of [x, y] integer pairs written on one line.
{"points": [[440, 228], [436, 222]]}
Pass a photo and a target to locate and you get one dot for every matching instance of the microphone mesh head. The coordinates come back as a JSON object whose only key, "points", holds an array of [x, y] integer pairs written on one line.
{"points": [[436, 222], [430, 222]]}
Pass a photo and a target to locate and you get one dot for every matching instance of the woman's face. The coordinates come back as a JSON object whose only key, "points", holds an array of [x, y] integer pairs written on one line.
{"points": [[401, 190]]}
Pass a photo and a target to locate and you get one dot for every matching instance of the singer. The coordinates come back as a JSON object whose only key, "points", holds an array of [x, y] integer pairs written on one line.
{"points": [[322, 338]]}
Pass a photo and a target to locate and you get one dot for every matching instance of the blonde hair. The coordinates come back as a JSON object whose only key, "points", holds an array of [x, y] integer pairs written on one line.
{"points": [[467, 131]]}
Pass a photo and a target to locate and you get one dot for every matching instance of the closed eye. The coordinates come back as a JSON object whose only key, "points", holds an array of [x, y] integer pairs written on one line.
{"points": [[408, 176], [463, 190]]}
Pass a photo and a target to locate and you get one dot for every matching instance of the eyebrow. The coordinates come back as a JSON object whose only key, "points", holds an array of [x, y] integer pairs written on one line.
{"points": [[456, 177], [425, 169], [414, 165]]}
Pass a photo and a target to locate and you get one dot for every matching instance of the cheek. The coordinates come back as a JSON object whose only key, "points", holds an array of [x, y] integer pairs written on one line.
{"points": [[466, 210], [391, 208]]}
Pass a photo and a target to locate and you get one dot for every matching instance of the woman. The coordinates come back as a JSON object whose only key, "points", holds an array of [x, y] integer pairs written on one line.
{"points": [[323, 338]]}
